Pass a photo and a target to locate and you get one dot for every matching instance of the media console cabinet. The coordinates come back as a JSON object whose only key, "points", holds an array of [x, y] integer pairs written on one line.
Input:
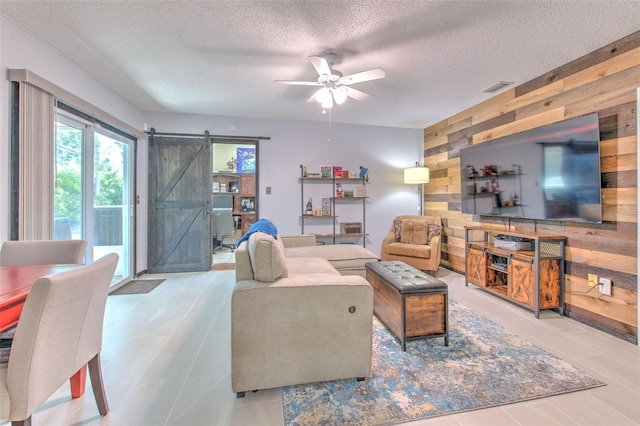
{"points": [[533, 279]]}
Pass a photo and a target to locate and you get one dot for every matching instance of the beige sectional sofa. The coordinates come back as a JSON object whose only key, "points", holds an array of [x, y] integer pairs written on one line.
{"points": [[348, 259], [294, 318]]}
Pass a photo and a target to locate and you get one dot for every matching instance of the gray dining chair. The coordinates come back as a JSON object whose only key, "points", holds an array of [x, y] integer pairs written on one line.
{"points": [[42, 252], [59, 332]]}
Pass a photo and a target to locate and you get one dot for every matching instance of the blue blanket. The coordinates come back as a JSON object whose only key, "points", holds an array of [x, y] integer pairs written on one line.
{"points": [[262, 225]]}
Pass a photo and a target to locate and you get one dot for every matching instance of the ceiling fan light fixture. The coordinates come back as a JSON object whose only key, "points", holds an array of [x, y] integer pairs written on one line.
{"points": [[327, 101], [339, 95], [321, 95]]}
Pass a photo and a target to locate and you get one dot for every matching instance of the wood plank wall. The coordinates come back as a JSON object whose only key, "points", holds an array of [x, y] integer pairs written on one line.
{"points": [[604, 81]]}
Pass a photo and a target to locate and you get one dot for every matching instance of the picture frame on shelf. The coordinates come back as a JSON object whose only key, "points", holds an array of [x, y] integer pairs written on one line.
{"points": [[326, 207], [215, 187], [337, 171], [326, 171], [247, 205]]}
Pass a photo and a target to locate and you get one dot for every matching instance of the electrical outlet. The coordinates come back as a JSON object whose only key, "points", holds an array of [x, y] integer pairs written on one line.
{"points": [[592, 279], [605, 286]]}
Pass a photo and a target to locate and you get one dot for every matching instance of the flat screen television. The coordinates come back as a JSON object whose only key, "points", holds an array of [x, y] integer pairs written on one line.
{"points": [[547, 173]]}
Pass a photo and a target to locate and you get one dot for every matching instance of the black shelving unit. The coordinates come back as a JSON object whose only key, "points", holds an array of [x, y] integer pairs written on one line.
{"points": [[335, 235]]}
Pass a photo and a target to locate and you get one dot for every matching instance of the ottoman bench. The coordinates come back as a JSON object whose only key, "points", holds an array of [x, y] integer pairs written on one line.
{"points": [[410, 303]]}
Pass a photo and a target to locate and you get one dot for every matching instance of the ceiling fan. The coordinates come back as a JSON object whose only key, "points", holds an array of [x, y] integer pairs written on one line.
{"points": [[335, 86]]}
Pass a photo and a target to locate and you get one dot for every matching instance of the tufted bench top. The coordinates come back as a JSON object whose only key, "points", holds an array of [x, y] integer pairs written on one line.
{"points": [[405, 278]]}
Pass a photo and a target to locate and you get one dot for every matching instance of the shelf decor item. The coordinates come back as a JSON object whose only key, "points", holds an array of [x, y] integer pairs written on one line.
{"points": [[248, 205], [232, 164], [326, 207], [339, 191], [326, 171], [351, 228], [309, 210], [337, 171]]}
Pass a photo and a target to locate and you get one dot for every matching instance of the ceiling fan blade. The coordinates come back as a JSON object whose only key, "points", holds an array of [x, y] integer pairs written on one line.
{"points": [[298, 83], [321, 65], [318, 94], [356, 94], [372, 74], [312, 98]]}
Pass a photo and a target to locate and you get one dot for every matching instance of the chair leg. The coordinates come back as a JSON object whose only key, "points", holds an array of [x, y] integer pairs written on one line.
{"points": [[25, 422], [95, 372]]}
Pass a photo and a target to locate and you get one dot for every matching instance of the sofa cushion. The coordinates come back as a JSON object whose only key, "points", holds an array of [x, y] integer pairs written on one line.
{"points": [[414, 232], [341, 256], [267, 257], [309, 266], [413, 250]]}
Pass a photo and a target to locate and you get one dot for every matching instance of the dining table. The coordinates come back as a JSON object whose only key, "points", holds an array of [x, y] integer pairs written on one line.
{"points": [[15, 283]]}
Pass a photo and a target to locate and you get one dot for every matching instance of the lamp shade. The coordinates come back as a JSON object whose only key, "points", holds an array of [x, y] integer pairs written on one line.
{"points": [[415, 175]]}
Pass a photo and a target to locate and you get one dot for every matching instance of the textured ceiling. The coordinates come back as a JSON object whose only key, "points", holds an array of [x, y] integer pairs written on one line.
{"points": [[221, 57]]}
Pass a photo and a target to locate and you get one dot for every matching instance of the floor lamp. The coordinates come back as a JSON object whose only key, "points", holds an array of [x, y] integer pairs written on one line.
{"points": [[417, 175]]}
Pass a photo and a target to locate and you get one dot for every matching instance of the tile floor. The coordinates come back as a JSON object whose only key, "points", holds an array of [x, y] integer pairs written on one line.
{"points": [[166, 361]]}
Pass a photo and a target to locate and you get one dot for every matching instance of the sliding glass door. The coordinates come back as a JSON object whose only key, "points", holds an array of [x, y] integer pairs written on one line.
{"points": [[93, 192]]}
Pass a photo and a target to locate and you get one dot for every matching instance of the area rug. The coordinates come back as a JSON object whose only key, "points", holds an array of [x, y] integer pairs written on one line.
{"points": [[483, 366], [138, 287]]}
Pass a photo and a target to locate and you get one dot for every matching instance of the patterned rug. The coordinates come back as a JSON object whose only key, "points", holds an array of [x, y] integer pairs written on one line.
{"points": [[483, 366]]}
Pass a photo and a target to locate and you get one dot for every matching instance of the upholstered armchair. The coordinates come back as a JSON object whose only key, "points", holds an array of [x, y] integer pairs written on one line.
{"points": [[414, 240]]}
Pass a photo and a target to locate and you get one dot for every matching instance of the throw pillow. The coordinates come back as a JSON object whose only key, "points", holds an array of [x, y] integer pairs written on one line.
{"points": [[267, 257], [397, 228], [434, 230], [414, 232]]}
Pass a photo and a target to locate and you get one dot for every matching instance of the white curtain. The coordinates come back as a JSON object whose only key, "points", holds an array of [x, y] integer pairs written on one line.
{"points": [[36, 149]]}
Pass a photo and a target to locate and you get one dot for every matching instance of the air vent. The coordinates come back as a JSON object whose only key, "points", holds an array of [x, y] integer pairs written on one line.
{"points": [[498, 86]]}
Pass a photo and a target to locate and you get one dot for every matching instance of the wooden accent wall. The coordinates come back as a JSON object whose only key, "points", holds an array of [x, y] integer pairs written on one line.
{"points": [[604, 81]]}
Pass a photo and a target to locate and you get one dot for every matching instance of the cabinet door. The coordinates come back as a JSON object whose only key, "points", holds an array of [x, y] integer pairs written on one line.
{"points": [[522, 279], [476, 266], [549, 284], [248, 185], [247, 221]]}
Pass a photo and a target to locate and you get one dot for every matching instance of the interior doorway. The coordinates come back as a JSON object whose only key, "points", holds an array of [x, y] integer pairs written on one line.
{"points": [[234, 184]]}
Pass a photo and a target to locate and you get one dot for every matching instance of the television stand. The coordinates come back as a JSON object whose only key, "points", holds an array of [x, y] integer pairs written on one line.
{"points": [[533, 279]]}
